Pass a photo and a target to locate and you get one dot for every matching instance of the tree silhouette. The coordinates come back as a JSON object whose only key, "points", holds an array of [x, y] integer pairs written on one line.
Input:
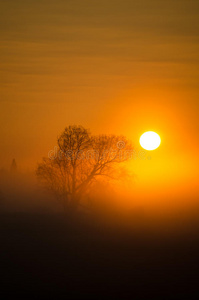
{"points": [[82, 159], [13, 167]]}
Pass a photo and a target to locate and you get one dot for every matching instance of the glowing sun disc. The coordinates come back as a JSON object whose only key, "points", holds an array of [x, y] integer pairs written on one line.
{"points": [[150, 140]]}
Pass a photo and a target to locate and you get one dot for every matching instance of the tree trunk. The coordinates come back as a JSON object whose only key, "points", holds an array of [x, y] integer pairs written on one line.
{"points": [[74, 204]]}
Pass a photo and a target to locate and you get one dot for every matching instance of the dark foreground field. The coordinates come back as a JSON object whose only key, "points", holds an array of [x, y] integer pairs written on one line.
{"points": [[52, 255]]}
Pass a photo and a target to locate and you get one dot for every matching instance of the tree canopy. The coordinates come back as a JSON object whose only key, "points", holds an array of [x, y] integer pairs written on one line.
{"points": [[82, 159]]}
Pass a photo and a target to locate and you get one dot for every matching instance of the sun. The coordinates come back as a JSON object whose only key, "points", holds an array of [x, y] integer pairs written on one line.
{"points": [[150, 140]]}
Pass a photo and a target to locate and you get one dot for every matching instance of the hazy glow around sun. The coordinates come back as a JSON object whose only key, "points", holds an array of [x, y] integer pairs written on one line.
{"points": [[150, 140]]}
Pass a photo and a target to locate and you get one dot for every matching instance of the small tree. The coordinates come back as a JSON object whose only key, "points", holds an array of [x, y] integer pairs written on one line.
{"points": [[81, 159], [13, 167]]}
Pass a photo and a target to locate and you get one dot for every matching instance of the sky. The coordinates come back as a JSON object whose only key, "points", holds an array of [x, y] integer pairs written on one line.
{"points": [[113, 66]]}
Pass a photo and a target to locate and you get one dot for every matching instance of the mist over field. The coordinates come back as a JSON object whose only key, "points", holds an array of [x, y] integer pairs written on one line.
{"points": [[117, 204], [108, 250]]}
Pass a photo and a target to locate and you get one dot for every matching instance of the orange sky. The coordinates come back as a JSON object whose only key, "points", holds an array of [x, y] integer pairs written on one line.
{"points": [[121, 67]]}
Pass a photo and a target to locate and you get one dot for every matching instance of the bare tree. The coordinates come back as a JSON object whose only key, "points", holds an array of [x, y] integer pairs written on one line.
{"points": [[13, 167], [82, 159]]}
